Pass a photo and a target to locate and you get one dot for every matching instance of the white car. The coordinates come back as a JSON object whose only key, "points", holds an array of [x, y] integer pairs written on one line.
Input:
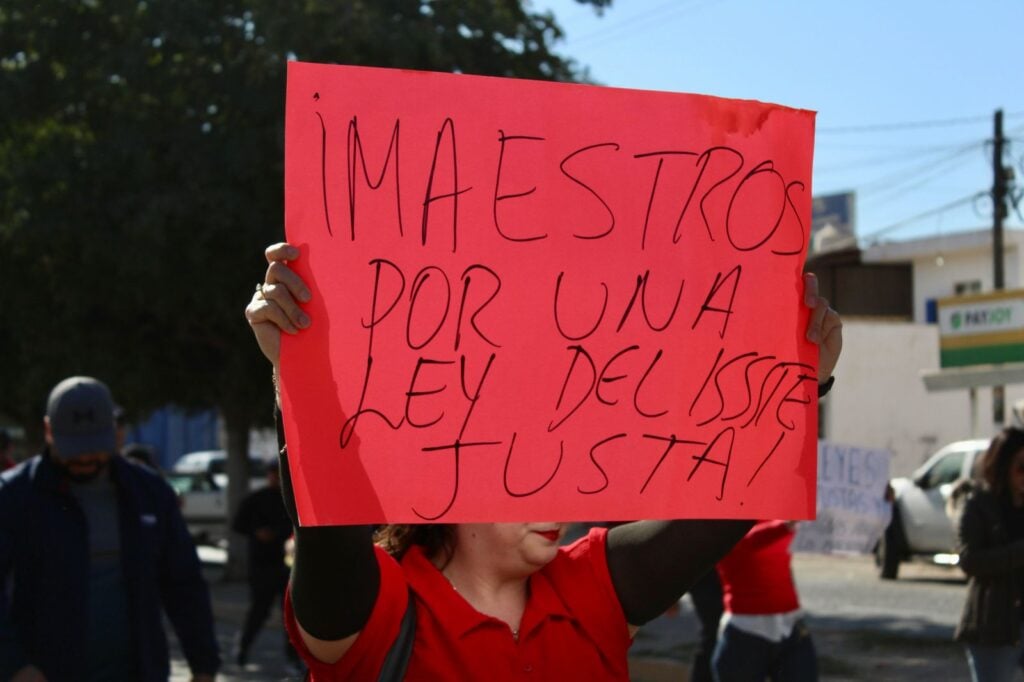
{"points": [[215, 463], [920, 525], [201, 481]]}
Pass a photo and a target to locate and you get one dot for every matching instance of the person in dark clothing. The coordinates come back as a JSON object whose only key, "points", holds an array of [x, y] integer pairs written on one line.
{"points": [[262, 519], [93, 548], [706, 595], [991, 544]]}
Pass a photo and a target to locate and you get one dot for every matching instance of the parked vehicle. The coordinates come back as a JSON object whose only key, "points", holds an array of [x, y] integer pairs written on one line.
{"points": [[201, 481], [214, 462], [920, 525], [203, 505]]}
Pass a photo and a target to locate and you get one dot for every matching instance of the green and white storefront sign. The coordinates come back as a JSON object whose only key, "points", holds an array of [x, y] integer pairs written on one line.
{"points": [[982, 329]]}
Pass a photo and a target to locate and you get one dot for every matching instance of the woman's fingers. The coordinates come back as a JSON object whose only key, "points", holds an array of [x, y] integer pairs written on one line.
{"points": [[283, 308], [831, 344], [815, 330], [282, 289], [278, 271], [262, 309], [823, 328], [281, 251], [817, 305], [810, 289], [274, 306], [266, 331]]}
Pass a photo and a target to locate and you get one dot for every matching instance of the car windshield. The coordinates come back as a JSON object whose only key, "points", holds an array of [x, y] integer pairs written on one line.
{"points": [[181, 483], [220, 466], [946, 470], [191, 483], [215, 464]]}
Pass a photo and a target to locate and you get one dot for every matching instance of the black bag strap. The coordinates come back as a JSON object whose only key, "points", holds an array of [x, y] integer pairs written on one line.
{"points": [[400, 652]]}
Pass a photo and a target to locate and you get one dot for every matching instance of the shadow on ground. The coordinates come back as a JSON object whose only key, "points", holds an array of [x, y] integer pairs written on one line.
{"points": [[875, 648]]}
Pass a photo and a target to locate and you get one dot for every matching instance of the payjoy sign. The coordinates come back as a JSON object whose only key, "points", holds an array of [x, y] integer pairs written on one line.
{"points": [[982, 329]]}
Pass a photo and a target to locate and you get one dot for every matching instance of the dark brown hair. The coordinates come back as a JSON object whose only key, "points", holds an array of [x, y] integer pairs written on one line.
{"points": [[436, 539], [995, 468]]}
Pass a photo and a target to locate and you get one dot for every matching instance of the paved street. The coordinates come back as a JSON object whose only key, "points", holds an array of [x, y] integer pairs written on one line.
{"points": [[925, 600], [871, 629], [864, 628], [229, 606]]}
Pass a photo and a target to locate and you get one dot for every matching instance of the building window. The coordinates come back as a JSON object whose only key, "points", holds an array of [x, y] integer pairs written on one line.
{"points": [[967, 288]]}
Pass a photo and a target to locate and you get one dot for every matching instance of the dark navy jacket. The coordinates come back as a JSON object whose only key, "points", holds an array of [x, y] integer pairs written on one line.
{"points": [[44, 565]]}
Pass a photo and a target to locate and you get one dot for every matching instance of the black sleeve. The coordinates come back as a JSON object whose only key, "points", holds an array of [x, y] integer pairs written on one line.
{"points": [[335, 577], [653, 563]]}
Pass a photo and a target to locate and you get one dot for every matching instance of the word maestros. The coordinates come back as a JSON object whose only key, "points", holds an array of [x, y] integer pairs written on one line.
{"points": [[760, 210], [749, 206]]}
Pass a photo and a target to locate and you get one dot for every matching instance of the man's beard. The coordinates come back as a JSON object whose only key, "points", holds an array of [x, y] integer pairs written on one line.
{"points": [[80, 473]]}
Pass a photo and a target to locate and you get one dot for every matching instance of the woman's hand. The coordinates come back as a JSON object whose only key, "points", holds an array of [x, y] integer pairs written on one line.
{"points": [[274, 306], [824, 328]]}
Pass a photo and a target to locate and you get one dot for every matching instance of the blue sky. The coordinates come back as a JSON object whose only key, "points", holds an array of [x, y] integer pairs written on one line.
{"points": [[866, 67]]}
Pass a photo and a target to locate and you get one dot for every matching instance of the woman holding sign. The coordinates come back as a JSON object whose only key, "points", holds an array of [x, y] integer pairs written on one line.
{"points": [[496, 601]]}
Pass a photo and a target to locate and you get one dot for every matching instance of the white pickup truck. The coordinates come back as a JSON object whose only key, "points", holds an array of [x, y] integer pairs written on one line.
{"points": [[201, 481], [920, 524]]}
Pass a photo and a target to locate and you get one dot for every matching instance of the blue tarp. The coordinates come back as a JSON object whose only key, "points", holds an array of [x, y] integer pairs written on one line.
{"points": [[172, 432]]}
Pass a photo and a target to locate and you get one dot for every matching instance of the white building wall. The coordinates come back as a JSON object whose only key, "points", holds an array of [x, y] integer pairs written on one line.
{"points": [[934, 278], [879, 399], [940, 262]]}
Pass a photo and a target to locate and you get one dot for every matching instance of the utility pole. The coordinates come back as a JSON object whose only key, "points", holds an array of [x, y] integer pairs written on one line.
{"points": [[998, 213], [998, 202]]}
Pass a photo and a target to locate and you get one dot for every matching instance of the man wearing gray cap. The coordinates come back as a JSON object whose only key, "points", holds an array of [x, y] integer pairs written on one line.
{"points": [[96, 546]]}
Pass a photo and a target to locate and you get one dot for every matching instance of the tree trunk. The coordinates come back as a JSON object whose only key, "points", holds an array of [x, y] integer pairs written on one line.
{"points": [[237, 429]]}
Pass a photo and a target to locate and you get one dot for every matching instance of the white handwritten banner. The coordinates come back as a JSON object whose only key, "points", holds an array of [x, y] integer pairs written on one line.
{"points": [[852, 511]]}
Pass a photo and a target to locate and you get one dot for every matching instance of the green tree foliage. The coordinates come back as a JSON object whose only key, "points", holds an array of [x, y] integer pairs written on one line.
{"points": [[141, 175]]}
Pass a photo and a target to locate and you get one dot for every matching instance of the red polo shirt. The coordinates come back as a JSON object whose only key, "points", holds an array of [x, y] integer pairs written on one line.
{"points": [[573, 627], [757, 578]]}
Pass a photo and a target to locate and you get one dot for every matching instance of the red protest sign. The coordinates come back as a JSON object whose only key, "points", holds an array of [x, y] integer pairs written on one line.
{"points": [[541, 301]]}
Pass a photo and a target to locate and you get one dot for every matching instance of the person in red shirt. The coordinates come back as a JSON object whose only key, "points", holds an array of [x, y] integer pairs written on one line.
{"points": [[475, 601], [762, 633]]}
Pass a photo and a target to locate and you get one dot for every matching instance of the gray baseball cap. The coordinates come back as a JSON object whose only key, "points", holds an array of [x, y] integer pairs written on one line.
{"points": [[81, 413]]}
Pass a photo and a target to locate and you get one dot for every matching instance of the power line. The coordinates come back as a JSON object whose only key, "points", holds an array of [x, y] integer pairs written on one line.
{"points": [[898, 193], [611, 27], [655, 15], [894, 156], [906, 125], [582, 13], [921, 216], [889, 146], [891, 193], [892, 181]]}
